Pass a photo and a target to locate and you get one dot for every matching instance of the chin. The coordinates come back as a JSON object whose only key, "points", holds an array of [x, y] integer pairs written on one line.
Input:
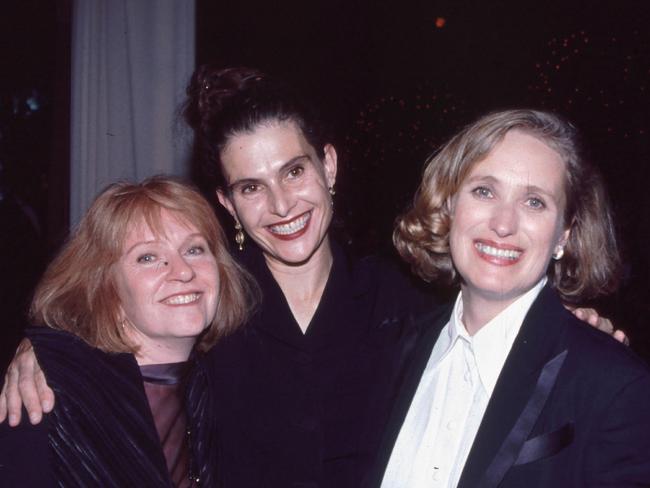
{"points": [[490, 287], [296, 253], [295, 259]]}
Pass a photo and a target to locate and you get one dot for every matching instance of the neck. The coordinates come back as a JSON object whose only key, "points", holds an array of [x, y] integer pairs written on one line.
{"points": [[479, 310], [151, 351], [303, 285]]}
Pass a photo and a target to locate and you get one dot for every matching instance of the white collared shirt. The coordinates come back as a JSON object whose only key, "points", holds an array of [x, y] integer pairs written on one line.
{"points": [[451, 398]]}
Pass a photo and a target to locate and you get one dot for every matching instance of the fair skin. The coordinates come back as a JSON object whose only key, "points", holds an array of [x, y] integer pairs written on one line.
{"points": [[300, 264], [278, 189], [507, 220], [168, 288], [167, 285]]}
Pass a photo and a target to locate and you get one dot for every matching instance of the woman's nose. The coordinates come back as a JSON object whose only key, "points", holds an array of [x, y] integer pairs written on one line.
{"points": [[179, 268], [281, 201], [504, 220]]}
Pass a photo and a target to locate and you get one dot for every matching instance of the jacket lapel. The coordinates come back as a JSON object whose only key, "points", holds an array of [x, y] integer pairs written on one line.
{"points": [[527, 377], [431, 325], [343, 303], [343, 296]]}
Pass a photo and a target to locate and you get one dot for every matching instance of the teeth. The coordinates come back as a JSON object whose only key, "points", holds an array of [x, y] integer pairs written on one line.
{"points": [[499, 253], [291, 227], [182, 299]]}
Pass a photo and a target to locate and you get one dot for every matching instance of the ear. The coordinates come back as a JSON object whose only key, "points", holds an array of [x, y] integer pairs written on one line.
{"points": [[564, 237], [226, 202], [450, 203], [330, 162], [121, 317]]}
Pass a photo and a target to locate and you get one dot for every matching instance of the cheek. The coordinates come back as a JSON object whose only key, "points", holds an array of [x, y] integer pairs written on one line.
{"points": [[130, 303], [123, 290], [212, 304], [463, 217], [546, 234], [250, 211], [315, 189], [132, 300], [135, 291], [210, 273], [457, 244]]}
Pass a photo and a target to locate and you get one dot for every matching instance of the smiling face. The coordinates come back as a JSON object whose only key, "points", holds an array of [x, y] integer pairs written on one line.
{"points": [[507, 219], [278, 191], [168, 286]]}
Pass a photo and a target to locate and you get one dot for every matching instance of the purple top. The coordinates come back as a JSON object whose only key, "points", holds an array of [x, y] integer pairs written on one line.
{"points": [[163, 385]]}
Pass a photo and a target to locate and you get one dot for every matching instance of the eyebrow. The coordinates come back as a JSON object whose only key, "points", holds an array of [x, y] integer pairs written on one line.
{"points": [[137, 244], [284, 167], [156, 241]]}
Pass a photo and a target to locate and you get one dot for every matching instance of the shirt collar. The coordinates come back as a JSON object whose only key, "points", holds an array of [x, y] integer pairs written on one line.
{"points": [[492, 343]]}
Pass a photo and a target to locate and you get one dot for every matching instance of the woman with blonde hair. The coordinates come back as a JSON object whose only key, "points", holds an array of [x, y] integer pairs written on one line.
{"points": [[507, 388]]}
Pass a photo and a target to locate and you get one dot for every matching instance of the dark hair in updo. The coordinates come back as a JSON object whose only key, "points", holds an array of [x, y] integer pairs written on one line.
{"points": [[225, 102]]}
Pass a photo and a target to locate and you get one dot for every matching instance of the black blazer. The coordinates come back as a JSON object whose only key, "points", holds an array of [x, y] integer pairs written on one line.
{"points": [[308, 410], [571, 407]]}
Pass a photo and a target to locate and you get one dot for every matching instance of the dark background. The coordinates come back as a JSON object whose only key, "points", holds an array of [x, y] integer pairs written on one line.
{"points": [[396, 77]]}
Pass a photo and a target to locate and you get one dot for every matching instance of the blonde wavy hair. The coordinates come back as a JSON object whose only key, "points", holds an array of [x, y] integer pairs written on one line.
{"points": [[78, 294], [591, 262]]}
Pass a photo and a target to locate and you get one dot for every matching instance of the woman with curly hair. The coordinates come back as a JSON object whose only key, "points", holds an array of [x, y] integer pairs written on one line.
{"points": [[507, 388]]}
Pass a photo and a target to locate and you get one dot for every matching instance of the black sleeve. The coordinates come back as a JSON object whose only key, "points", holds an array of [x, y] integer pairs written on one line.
{"points": [[25, 455]]}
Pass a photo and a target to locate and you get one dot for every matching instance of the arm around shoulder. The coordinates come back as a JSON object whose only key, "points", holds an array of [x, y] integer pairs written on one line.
{"points": [[25, 384]]}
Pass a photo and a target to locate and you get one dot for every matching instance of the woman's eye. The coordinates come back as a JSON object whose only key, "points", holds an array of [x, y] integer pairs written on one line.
{"points": [[196, 250], [248, 189], [482, 192], [146, 258], [296, 171], [535, 203]]}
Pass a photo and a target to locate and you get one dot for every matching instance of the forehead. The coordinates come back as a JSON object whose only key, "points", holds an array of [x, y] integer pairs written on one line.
{"points": [[264, 150], [523, 160], [159, 224]]}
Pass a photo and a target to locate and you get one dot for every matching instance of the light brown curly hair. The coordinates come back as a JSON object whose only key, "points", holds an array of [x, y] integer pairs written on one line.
{"points": [[591, 262]]}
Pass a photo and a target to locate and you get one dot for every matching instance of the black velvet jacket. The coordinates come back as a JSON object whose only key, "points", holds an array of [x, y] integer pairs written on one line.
{"points": [[101, 431], [307, 410], [571, 408]]}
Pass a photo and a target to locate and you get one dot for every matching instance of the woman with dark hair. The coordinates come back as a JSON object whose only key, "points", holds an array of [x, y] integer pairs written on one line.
{"points": [[145, 282], [302, 391], [306, 370], [310, 381], [507, 388]]}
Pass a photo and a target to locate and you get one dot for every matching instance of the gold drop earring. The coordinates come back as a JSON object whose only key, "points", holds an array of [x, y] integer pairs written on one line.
{"points": [[239, 235]]}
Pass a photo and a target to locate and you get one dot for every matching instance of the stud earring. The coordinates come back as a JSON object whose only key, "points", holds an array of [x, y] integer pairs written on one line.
{"points": [[239, 235], [558, 253]]}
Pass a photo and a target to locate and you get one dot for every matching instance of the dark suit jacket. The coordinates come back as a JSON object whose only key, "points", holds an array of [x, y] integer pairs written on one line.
{"points": [[571, 407], [307, 410]]}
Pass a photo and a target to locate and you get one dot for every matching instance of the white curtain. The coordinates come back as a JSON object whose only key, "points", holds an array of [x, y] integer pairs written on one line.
{"points": [[131, 61]]}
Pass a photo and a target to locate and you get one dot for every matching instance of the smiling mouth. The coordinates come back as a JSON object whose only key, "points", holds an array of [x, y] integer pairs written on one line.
{"points": [[182, 299], [498, 253], [289, 229]]}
